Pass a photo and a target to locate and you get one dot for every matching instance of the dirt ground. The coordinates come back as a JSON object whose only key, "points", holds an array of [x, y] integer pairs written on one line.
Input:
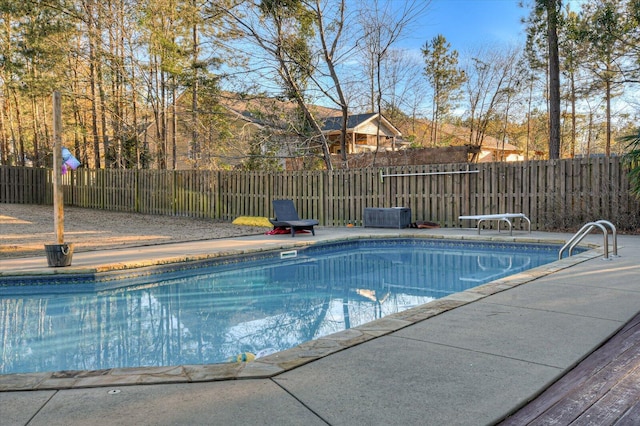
{"points": [[25, 229]]}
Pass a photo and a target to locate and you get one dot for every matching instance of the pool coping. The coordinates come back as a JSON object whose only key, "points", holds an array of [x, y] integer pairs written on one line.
{"points": [[280, 362]]}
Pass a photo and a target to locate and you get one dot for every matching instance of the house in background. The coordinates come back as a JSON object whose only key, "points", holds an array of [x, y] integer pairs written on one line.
{"points": [[362, 134], [491, 148], [241, 127], [494, 150]]}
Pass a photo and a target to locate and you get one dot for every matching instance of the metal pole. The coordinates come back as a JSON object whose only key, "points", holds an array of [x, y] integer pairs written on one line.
{"points": [[58, 196], [382, 175]]}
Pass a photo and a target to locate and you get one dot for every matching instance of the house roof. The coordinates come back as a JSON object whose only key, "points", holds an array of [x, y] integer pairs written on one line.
{"points": [[334, 123], [273, 112], [493, 144]]}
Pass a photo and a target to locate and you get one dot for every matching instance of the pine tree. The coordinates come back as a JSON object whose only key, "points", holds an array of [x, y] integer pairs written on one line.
{"points": [[444, 76]]}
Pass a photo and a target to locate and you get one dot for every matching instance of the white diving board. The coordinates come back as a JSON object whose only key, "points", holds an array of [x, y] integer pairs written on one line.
{"points": [[504, 217]]}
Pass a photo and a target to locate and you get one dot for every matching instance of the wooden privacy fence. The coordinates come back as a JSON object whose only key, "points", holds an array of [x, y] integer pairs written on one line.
{"points": [[560, 194], [25, 185]]}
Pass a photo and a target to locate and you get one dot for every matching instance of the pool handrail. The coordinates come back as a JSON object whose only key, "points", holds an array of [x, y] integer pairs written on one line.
{"points": [[586, 229], [614, 235]]}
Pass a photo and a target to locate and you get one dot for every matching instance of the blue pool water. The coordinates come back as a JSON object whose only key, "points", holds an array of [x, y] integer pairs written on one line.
{"points": [[209, 313]]}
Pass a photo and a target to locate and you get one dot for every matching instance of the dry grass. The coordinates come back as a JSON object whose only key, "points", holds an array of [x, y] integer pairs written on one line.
{"points": [[25, 229]]}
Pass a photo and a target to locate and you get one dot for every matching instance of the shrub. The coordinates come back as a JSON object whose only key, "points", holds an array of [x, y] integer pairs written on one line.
{"points": [[632, 158]]}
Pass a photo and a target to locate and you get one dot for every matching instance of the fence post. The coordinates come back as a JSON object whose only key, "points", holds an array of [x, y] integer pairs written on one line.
{"points": [[58, 196], [553, 194]]}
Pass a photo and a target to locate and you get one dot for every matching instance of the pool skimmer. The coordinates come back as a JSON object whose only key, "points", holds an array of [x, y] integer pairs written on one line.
{"points": [[288, 254]]}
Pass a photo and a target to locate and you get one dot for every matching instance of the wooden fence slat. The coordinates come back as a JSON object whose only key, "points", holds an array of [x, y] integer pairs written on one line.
{"points": [[554, 194]]}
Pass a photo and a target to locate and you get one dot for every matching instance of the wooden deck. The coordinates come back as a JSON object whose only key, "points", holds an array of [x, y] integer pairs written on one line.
{"points": [[604, 389]]}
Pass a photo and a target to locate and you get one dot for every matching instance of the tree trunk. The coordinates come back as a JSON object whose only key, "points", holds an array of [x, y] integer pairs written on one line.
{"points": [[101, 93], [4, 139], [103, 116], [573, 115], [174, 124], [195, 148], [93, 89], [134, 116], [21, 153], [554, 79], [529, 103], [607, 150], [36, 139], [329, 53]]}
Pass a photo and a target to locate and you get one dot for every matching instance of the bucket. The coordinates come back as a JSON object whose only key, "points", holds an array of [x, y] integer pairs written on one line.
{"points": [[59, 254]]}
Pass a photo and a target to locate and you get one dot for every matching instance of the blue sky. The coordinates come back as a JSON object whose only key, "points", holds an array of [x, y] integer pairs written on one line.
{"points": [[470, 23]]}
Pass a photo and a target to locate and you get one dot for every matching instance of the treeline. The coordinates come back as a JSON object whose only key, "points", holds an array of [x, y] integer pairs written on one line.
{"points": [[136, 76]]}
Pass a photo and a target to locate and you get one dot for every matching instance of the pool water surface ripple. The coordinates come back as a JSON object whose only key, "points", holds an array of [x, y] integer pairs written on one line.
{"points": [[254, 305]]}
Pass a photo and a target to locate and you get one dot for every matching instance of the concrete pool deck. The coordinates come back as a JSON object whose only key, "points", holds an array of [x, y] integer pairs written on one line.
{"points": [[470, 358]]}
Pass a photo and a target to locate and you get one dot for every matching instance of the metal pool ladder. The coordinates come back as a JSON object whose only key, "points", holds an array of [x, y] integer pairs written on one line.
{"points": [[588, 227]]}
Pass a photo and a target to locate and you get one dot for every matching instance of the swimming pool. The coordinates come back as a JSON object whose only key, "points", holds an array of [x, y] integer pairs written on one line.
{"points": [[210, 312]]}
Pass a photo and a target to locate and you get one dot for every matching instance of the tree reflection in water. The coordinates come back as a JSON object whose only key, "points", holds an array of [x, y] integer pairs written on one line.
{"points": [[205, 316]]}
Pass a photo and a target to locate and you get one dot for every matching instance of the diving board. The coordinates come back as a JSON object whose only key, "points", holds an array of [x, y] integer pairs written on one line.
{"points": [[504, 217]]}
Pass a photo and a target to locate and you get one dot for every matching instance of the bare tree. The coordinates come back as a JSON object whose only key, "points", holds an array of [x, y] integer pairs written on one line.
{"points": [[280, 28], [489, 75], [381, 28], [330, 43], [405, 88]]}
